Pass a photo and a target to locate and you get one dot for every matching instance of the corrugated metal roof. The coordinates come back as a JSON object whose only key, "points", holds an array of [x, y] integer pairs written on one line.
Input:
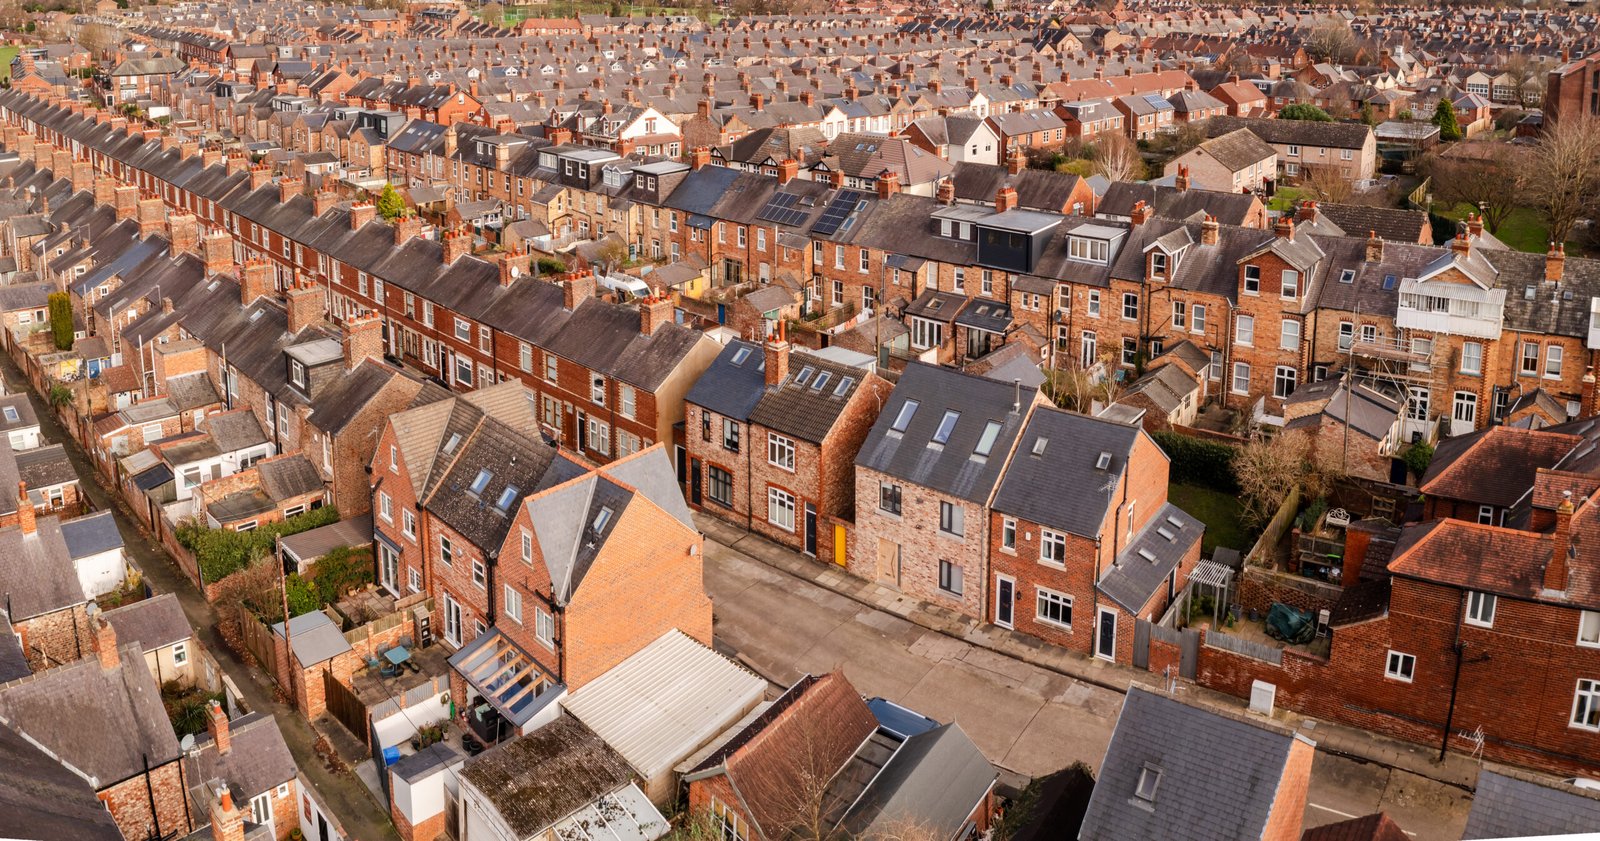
{"points": [[666, 701]]}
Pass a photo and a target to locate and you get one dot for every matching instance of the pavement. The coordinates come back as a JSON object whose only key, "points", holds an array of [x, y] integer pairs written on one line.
{"points": [[1031, 708], [361, 818]]}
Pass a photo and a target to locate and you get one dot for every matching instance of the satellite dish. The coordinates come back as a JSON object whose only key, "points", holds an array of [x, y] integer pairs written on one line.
{"points": [[186, 744]]}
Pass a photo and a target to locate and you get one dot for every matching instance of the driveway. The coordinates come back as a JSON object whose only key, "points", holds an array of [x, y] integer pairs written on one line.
{"points": [[1027, 720]]}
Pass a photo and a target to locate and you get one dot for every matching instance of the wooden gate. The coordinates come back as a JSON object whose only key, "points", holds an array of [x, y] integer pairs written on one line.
{"points": [[1141, 644], [345, 706], [257, 639]]}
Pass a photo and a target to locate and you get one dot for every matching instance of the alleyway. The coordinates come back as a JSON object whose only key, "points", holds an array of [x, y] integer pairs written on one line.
{"points": [[341, 793]]}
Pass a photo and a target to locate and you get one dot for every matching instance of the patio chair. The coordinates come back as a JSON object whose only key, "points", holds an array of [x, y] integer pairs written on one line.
{"points": [[387, 669]]}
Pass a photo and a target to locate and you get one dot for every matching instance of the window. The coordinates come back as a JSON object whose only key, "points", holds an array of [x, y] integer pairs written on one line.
{"points": [[1149, 780], [627, 399], [1252, 280], [1053, 608], [384, 507], [991, 433], [1244, 330], [889, 497], [1480, 608], [180, 653], [414, 579], [1291, 284], [1130, 351], [1089, 250], [1284, 379], [1052, 547], [1008, 534], [527, 546], [950, 516], [959, 280], [1197, 318], [780, 509], [1400, 666], [730, 435], [513, 604], [463, 370], [1088, 355], [947, 425], [1471, 358], [1241, 378], [297, 372], [866, 257], [544, 626], [1586, 705], [1369, 332], [408, 523], [1158, 264], [1290, 336], [1552, 361], [721, 486], [950, 578], [480, 575], [1130, 306], [599, 436], [1589, 628], [1179, 314], [726, 825], [551, 367], [1094, 303], [780, 451], [446, 551], [1530, 358]]}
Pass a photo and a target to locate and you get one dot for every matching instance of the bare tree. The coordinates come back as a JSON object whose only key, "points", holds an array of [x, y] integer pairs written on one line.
{"points": [[1117, 158], [1331, 40], [1077, 389], [1564, 172], [1329, 184], [1489, 176], [98, 38], [493, 14], [1523, 74]]}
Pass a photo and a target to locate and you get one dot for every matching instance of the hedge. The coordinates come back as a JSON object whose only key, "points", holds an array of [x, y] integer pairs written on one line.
{"points": [[221, 553], [61, 319], [342, 569], [1196, 461]]}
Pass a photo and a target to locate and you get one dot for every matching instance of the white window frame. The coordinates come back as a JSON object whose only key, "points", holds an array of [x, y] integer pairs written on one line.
{"points": [[780, 451], [780, 508], [1480, 608], [1398, 665], [1041, 596], [1586, 705], [1589, 628]]}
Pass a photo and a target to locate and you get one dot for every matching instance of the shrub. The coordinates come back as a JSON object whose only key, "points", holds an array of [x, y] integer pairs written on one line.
{"points": [[61, 319], [390, 205], [1196, 461], [1304, 111], [1417, 458], [221, 553], [343, 568], [550, 265]]}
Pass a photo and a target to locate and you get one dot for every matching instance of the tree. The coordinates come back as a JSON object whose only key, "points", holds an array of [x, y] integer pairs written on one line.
{"points": [[61, 319], [1077, 389], [1369, 115], [1487, 175], [611, 254], [1329, 184], [1444, 116], [1331, 40], [1405, 115], [1117, 158], [390, 205], [1564, 172], [1523, 76], [1304, 111], [493, 14], [98, 38], [1268, 470]]}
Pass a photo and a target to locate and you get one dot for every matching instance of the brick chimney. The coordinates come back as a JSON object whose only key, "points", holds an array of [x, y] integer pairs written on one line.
{"points": [[1016, 161], [1209, 230], [513, 265], [105, 191], [655, 311], [1140, 214], [1555, 572], [788, 170], [255, 281], [888, 184], [1284, 227], [1588, 393], [304, 302], [1374, 248], [1181, 180], [260, 174], [217, 726], [946, 193], [183, 231], [1005, 199], [777, 353], [151, 214], [361, 213], [836, 178], [235, 164], [105, 644], [457, 244], [82, 175], [363, 340], [578, 287], [227, 822], [289, 187], [1474, 225], [406, 228], [1307, 211], [25, 515], [1555, 262], [210, 158], [323, 201], [1463, 245], [808, 98], [217, 249], [700, 156]]}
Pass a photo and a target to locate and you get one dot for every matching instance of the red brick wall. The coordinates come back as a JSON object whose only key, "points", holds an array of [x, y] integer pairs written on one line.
{"points": [[1289, 806], [56, 638], [129, 803]]}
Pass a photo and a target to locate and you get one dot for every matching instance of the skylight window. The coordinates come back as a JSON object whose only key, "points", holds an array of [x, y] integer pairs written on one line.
{"points": [[450, 445], [844, 386], [991, 433], [821, 381], [1146, 554], [1166, 533], [1149, 780], [805, 375], [947, 425], [740, 355], [1176, 523], [481, 481], [601, 518], [1347, 276], [507, 496], [11, 414], [1103, 462], [1039, 444], [1388, 282], [903, 420]]}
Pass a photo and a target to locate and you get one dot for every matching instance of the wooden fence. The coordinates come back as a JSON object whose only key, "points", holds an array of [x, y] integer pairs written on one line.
{"points": [[1244, 647], [1262, 553], [257, 639]]}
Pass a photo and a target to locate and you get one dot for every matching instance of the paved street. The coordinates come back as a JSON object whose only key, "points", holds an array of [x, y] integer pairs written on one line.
{"points": [[1026, 719], [342, 793]]}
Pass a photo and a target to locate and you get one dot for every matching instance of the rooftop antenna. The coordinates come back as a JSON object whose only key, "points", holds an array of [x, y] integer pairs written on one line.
{"points": [[1016, 402]]}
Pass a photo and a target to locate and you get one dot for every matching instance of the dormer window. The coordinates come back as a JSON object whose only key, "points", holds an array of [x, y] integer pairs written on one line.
{"points": [[297, 373], [1089, 250], [1158, 264], [1252, 280]]}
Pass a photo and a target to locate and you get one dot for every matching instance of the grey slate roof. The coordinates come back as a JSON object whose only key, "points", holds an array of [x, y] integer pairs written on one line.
{"points": [[43, 800], [952, 468], [1061, 487], [36, 571], [935, 779], [732, 389], [1514, 807], [258, 760], [1145, 563], [1218, 775], [152, 623], [91, 535]]}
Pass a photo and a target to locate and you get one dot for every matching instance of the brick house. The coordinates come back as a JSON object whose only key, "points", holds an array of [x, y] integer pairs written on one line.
{"points": [[925, 477], [1349, 148], [800, 418], [822, 729], [1082, 540], [248, 756], [47, 608], [1506, 476], [1237, 161]]}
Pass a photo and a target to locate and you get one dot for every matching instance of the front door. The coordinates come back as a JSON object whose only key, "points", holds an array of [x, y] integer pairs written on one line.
{"points": [[452, 620], [1005, 597], [1105, 644], [261, 810], [1464, 414], [888, 562], [694, 481], [811, 530]]}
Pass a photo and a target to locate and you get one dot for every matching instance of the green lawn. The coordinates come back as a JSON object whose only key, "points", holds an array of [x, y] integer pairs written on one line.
{"points": [[1287, 198], [1219, 512], [514, 15], [1525, 229], [6, 55]]}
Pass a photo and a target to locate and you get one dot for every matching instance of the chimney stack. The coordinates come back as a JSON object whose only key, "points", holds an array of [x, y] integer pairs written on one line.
{"points": [[227, 822], [322, 201], [105, 191], [304, 302], [1284, 227], [699, 157], [260, 175], [888, 184], [1555, 262], [25, 514], [288, 188], [1374, 248], [217, 726], [363, 340], [406, 228], [105, 644], [1307, 211], [255, 280], [217, 249], [1016, 160], [946, 193], [788, 169], [1462, 245], [1556, 573], [183, 232], [777, 353], [578, 287], [151, 214], [361, 213], [1005, 199], [655, 311], [1181, 181], [513, 265], [1140, 214], [1209, 230], [457, 244]]}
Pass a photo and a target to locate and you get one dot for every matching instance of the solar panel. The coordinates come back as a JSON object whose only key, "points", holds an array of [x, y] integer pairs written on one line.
{"points": [[842, 206], [781, 210]]}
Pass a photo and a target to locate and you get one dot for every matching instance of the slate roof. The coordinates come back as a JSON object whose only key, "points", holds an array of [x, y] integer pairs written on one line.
{"points": [[1172, 203], [1506, 806], [40, 798], [1147, 562], [1389, 223], [952, 468], [1298, 132], [539, 778], [798, 407], [36, 571], [728, 388], [153, 623], [1056, 483], [935, 780], [1218, 775], [258, 759]]}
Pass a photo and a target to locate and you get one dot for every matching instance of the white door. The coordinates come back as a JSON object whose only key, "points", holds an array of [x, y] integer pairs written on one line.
{"points": [[261, 811], [452, 620], [1464, 417], [1005, 600], [390, 568], [1105, 643]]}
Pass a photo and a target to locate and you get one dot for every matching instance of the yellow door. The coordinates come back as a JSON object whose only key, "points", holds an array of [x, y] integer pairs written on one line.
{"points": [[839, 556]]}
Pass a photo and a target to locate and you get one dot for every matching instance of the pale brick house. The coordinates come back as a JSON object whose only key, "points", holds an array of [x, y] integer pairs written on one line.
{"points": [[925, 477], [800, 419]]}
